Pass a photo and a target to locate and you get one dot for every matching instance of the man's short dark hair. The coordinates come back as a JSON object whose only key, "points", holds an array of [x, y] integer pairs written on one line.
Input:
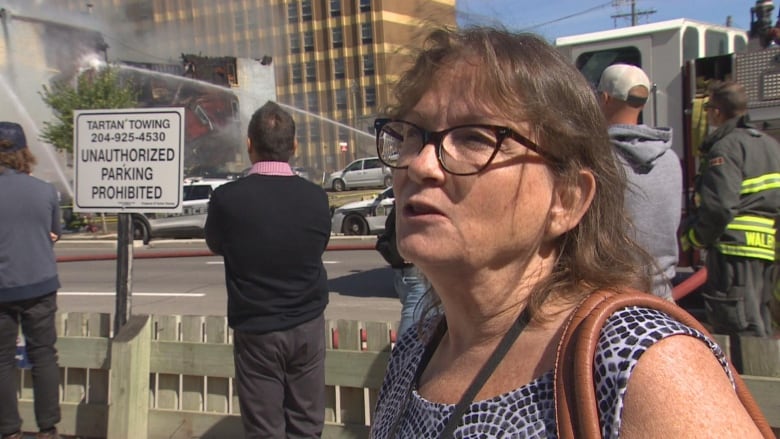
{"points": [[272, 133], [728, 97]]}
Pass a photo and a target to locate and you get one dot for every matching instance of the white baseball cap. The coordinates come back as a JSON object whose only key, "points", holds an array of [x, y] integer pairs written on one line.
{"points": [[618, 80]]}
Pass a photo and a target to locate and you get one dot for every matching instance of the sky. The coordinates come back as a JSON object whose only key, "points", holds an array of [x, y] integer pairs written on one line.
{"points": [[557, 18]]}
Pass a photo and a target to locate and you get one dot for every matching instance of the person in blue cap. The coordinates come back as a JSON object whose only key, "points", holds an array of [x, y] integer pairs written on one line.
{"points": [[29, 226]]}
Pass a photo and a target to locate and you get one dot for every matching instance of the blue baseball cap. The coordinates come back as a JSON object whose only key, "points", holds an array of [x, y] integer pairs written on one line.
{"points": [[13, 133]]}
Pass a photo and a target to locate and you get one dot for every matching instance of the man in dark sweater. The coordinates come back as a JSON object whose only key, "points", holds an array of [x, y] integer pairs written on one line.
{"points": [[272, 228], [29, 225]]}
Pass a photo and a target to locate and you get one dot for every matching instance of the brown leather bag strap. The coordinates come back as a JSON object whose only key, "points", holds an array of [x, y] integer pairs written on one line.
{"points": [[575, 393]]}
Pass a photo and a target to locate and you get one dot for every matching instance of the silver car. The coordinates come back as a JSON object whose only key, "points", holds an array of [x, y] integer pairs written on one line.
{"points": [[365, 217], [365, 172], [188, 224]]}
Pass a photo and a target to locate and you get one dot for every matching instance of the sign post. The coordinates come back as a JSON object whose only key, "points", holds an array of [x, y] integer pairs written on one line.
{"points": [[128, 161]]}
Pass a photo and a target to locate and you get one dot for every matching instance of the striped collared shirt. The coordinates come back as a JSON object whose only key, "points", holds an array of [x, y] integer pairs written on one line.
{"points": [[272, 168]]}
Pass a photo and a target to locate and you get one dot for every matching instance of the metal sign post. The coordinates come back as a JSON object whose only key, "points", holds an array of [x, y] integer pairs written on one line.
{"points": [[128, 161]]}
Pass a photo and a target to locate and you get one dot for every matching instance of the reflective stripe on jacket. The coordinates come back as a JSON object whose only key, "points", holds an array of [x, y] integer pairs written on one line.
{"points": [[758, 238]]}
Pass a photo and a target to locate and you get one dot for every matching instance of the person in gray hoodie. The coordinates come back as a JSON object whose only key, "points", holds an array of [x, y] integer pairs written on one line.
{"points": [[29, 226], [654, 196]]}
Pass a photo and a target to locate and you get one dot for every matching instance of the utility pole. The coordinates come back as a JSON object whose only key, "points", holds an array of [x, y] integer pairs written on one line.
{"points": [[634, 14]]}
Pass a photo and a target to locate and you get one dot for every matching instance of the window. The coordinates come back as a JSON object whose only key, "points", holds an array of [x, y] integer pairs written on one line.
{"points": [[295, 43], [292, 12], [239, 22], [739, 43], [341, 99], [311, 101], [355, 166], [199, 192], [308, 41], [251, 20], [715, 43], [243, 48], [314, 132], [298, 100], [139, 11], [297, 74], [690, 43], [357, 100], [366, 34], [338, 68], [370, 96], [592, 64], [337, 37], [365, 5], [372, 164], [311, 71], [368, 64], [306, 10], [335, 8]]}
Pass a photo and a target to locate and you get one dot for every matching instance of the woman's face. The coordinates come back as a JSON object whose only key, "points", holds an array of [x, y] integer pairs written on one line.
{"points": [[497, 217]]}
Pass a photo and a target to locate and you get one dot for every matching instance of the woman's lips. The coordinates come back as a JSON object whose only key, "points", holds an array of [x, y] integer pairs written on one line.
{"points": [[416, 208]]}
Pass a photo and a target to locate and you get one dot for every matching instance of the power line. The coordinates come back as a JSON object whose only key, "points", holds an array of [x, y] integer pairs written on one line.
{"points": [[576, 14]]}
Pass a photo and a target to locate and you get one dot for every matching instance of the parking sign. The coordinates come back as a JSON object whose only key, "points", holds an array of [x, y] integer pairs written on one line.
{"points": [[128, 160]]}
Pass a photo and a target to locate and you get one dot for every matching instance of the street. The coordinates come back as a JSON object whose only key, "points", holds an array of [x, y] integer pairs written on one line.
{"points": [[360, 282]]}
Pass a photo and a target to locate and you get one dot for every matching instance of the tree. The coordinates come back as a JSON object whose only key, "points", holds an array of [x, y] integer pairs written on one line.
{"points": [[95, 89]]}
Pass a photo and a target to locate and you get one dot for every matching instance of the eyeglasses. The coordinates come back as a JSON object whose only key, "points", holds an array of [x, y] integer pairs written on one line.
{"points": [[461, 150]]}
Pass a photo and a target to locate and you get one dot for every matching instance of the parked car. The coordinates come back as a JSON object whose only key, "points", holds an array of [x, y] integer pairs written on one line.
{"points": [[365, 172], [365, 217], [188, 224]]}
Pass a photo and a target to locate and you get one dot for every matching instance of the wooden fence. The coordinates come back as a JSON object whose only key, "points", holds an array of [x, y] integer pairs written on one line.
{"points": [[172, 377]]}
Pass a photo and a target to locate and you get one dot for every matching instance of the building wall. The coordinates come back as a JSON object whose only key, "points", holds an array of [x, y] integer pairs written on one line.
{"points": [[37, 48]]}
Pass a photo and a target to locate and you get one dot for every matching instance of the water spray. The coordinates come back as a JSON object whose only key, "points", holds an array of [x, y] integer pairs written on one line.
{"points": [[325, 119], [29, 124]]}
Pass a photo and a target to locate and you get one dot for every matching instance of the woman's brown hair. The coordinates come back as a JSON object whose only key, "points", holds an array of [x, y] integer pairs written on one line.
{"points": [[525, 80], [21, 160]]}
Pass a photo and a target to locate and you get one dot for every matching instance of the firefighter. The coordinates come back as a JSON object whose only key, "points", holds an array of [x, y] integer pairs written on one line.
{"points": [[738, 198]]}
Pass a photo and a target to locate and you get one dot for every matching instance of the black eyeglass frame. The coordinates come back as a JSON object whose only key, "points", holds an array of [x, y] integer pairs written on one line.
{"points": [[437, 138]]}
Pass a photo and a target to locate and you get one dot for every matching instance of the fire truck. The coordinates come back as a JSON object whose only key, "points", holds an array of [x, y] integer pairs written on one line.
{"points": [[681, 56]]}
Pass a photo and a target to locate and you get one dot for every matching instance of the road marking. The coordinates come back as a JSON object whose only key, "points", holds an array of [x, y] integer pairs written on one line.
{"points": [[223, 262], [112, 293]]}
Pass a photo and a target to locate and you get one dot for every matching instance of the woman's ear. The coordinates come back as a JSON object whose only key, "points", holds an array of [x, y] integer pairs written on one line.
{"points": [[570, 202]]}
